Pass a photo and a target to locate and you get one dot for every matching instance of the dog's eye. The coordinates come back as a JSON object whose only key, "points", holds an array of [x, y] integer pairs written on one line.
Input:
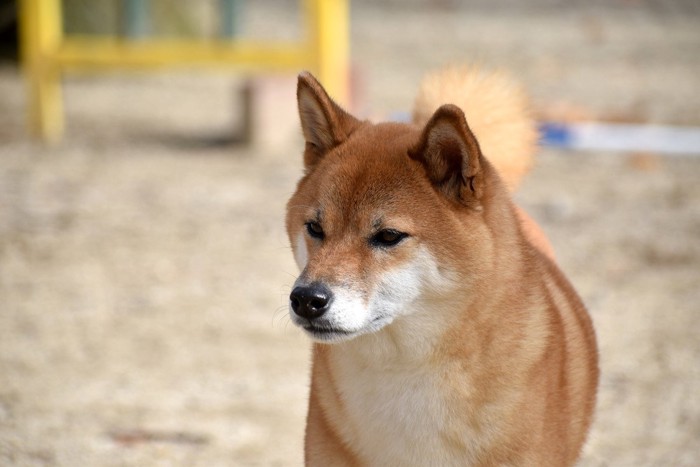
{"points": [[387, 237], [315, 230]]}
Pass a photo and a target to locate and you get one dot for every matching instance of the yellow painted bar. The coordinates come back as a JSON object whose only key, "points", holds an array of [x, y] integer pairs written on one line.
{"points": [[327, 26], [47, 55], [82, 53], [40, 37]]}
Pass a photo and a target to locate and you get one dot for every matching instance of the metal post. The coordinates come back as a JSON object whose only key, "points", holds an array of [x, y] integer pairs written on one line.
{"points": [[41, 30], [230, 11], [328, 29], [135, 18]]}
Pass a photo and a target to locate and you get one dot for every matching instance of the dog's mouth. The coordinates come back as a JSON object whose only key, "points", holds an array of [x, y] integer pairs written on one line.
{"points": [[326, 333]]}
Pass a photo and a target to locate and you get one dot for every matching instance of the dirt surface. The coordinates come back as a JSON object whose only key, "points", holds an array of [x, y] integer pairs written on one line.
{"points": [[144, 268]]}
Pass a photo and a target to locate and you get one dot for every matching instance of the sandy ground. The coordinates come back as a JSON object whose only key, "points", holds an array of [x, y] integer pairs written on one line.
{"points": [[144, 269]]}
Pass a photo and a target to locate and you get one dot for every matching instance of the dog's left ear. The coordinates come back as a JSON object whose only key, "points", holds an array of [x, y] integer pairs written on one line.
{"points": [[451, 156], [324, 123]]}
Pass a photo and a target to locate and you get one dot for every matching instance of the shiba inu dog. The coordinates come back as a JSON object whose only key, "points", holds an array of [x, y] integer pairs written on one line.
{"points": [[444, 333]]}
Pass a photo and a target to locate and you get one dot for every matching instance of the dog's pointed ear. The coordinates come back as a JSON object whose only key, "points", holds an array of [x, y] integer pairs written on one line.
{"points": [[325, 125], [451, 156]]}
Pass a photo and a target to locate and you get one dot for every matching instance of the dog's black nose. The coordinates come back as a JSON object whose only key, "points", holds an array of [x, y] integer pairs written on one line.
{"points": [[310, 301]]}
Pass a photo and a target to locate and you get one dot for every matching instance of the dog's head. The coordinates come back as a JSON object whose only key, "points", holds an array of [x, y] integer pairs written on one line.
{"points": [[375, 223]]}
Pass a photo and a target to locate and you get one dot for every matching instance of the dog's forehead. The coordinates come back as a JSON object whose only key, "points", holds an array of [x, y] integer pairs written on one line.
{"points": [[369, 177]]}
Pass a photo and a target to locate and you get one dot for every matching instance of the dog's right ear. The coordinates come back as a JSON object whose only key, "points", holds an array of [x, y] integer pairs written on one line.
{"points": [[325, 125]]}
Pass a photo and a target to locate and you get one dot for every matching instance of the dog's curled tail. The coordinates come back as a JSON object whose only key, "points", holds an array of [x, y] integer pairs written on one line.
{"points": [[497, 111]]}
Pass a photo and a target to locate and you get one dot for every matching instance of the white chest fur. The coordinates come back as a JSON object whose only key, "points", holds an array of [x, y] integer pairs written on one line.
{"points": [[398, 415]]}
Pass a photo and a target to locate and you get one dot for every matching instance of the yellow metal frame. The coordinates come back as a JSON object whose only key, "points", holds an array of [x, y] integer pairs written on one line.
{"points": [[47, 54]]}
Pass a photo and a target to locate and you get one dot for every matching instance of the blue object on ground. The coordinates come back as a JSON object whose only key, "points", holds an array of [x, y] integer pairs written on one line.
{"points": [[621, 137]]}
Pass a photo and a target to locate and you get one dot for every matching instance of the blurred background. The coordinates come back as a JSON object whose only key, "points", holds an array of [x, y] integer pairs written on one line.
{"points": [[144, 268]]}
